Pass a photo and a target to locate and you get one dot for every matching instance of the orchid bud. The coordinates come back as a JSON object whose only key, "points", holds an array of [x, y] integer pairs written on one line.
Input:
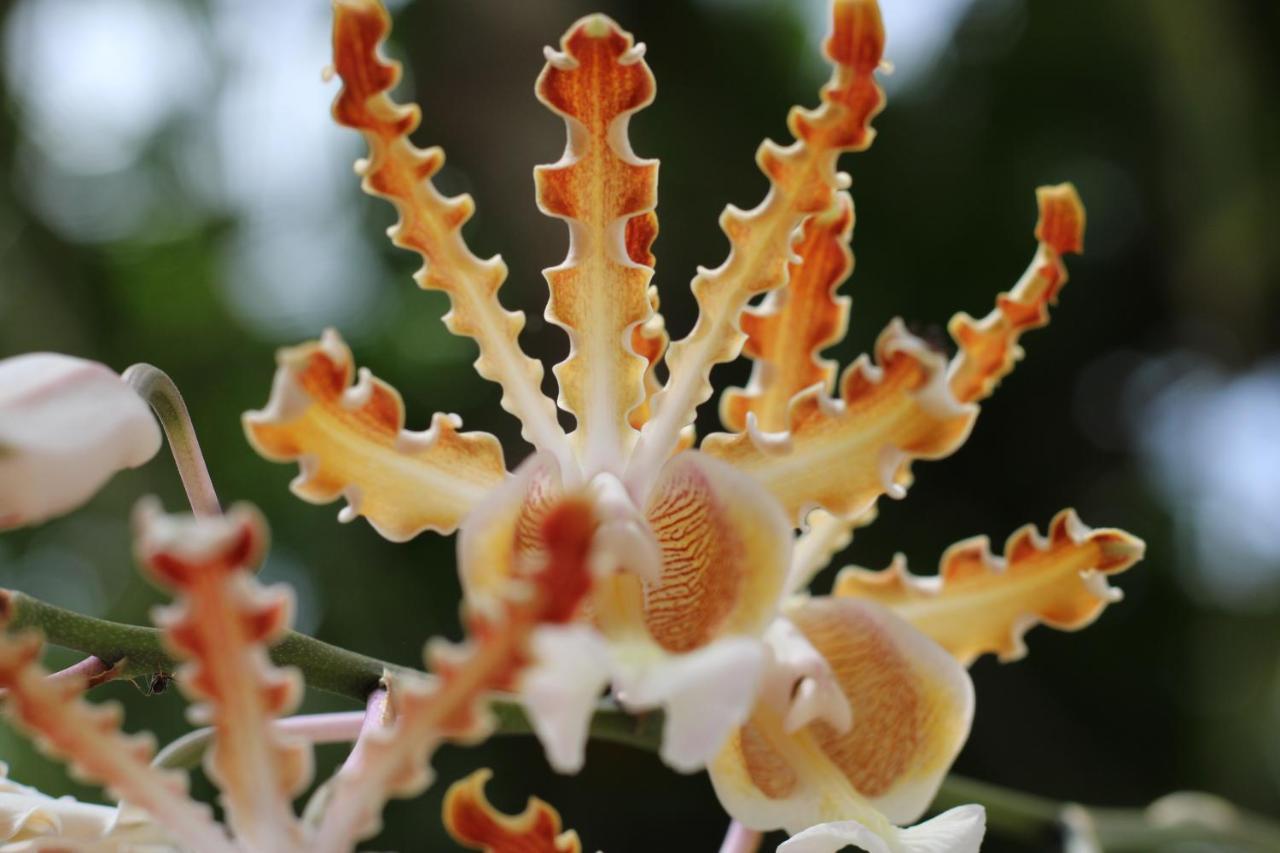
{"points": [[66, 425]]}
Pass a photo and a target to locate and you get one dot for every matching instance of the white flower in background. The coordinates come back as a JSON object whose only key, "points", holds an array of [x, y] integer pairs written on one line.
{"points": [[29, 820], [66, 426]]}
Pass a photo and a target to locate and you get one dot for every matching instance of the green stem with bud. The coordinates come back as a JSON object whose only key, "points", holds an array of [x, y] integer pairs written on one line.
{"points": [[1179, 819]]}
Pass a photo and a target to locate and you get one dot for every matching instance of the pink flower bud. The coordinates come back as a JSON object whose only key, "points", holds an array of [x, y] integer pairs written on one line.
{"points": [[66, 425]]}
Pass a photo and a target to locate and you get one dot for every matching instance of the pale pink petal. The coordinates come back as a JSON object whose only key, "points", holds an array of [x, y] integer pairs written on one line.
{"points": [[66, 426]]}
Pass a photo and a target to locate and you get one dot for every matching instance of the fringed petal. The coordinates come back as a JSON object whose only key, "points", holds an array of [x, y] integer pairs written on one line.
{"points": [[453, 706], [989, 347], [599, 294], [795, 323], [959, 830], [222, 624], [725, 548], [912, 705], [66, 426], [350, 441], [473, 822], [803, 181], [649, 340], [979, 603], [841, 455], [89, 738], [824, 535], [431, 224]]}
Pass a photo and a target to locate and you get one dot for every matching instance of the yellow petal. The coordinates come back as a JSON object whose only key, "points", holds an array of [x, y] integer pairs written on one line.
{"points": [[222, 624], [725, 553], [842, 455], [350, 441], [431, 224], [912, 705], [989, 347], [795, 323], [599, 294], [473, 822], [979, 603], [803, 181]]}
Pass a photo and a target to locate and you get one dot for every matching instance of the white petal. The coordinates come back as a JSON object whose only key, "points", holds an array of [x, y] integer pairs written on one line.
{"points": [[66, 425], [560, 690], [706, 694], [959, 830], [798, 681]]}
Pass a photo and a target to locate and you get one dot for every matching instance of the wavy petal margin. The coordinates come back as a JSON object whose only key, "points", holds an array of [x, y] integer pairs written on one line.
{"points": [[431, 224], [599, 294], [979, 603], [350, 441], [989, 347], [912, 705], [453, 706], [89, 738], [841, 455], [795, 323], [803, 181], [222, 624], [473, 822]]}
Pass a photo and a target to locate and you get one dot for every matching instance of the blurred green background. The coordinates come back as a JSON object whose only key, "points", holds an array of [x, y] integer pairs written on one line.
{"points": [[173, 191]]}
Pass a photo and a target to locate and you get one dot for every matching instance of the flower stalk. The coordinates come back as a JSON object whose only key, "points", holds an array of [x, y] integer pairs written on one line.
{"points": [[159, 391]]}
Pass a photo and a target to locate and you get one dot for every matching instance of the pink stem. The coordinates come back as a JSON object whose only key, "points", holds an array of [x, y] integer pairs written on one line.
{"points": [[340, 727], [739, 839], [375, 718], [91, 671]]}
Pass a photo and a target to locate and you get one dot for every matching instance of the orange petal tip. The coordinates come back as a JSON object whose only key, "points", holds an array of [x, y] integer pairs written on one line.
{"points": [[1062, 218]]}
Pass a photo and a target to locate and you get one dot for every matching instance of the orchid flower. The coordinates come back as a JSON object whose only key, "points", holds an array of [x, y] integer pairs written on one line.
{"points": [[66, 426], [834, 715]]}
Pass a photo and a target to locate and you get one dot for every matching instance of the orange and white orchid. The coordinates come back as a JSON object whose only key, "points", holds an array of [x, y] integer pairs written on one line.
{"points": [[66, 426], [842, 712]]}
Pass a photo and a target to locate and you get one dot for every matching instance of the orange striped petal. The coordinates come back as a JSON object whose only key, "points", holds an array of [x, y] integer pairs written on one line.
{"points": [[979, 603], [431, 224], [843, 455], [599, 294], [911, 703], [394, 759], [803, 181], [350, 441], [504, 531], [222, 624], [89, 738], [989, 347], [795, 323], [725, 549], [473, 822]]}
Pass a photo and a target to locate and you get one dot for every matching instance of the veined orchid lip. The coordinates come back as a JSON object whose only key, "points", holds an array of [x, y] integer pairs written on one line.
{"points": [[67, 425]]}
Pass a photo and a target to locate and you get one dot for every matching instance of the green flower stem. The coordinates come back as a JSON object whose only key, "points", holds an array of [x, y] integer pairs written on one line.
{"points": [[1177, 820], [162, 395]]}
